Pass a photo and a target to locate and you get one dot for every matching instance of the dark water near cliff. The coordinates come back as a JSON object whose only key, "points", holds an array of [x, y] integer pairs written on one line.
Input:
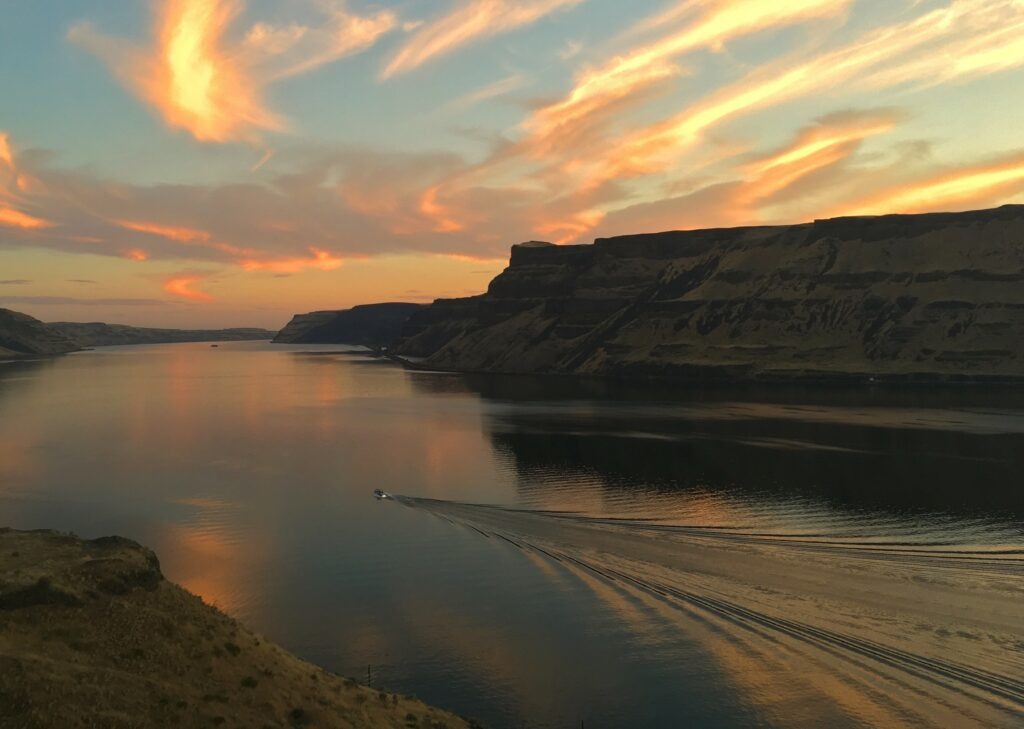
{"points": [[633, 583]]}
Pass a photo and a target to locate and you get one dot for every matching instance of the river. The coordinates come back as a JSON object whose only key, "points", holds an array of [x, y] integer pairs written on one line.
{"points": [[559, 550]]}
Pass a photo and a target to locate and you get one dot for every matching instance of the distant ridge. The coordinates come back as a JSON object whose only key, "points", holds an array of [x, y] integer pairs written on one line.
{"points": [[22, 335], [98, 334], [370, 325]]}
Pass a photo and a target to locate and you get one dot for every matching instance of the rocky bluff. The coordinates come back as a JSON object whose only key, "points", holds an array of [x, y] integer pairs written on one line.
{"points": [[895, 297]]}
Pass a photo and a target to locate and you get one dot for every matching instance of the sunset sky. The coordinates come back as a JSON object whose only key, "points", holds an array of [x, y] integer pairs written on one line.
{"points": [[222, 162]]}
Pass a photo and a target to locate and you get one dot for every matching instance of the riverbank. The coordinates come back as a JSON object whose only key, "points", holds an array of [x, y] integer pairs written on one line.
{"points": [[92, 635]]}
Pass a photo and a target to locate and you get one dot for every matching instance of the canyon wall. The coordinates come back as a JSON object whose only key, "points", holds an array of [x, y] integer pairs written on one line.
{"points": [[897, 297], [370, 325]]}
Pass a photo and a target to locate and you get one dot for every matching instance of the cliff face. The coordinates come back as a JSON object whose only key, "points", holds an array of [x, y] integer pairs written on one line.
{"points": [[96, 334], [370, 325], [21, 335], [936, 296]]}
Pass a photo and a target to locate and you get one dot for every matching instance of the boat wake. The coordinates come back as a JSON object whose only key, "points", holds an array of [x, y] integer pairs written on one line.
{"points": [[812, 631]]}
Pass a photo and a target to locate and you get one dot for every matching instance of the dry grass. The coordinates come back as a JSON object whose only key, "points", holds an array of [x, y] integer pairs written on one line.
{"points": [[91, 635]]}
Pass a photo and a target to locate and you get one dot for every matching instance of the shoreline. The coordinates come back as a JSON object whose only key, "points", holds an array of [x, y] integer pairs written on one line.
{"points": [[93, 634]]}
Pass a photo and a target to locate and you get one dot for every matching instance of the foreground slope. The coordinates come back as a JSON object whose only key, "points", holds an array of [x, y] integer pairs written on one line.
{"points": [[21, 335], [91, 635], [931, 297], [370, 325]]}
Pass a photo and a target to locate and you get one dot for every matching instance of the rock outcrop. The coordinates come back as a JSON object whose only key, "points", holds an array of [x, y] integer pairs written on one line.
{"points": [[369, 325], [97, 334], [895, 297], [21, 335], [92, 635]]}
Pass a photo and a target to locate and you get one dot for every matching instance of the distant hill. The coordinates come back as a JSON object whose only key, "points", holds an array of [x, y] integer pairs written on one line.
{"points": [[22, 335], [889, 298], [97, 334], [370, 325]]}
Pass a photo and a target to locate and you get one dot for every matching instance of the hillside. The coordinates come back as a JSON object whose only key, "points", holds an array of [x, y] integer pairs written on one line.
{"points": [[896, 297], [371, 325], [98, 334], [92, 635], [22, 335]]}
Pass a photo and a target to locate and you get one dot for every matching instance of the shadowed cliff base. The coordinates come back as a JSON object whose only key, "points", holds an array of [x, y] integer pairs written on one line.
{"points": [[92, 635], [901, 298]]}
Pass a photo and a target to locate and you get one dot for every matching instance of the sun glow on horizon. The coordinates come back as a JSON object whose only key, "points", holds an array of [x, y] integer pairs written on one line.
{"points": [[289, 144]]}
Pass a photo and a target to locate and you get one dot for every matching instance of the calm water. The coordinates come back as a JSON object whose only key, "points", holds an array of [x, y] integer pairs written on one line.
{"points": [[628, 556]]}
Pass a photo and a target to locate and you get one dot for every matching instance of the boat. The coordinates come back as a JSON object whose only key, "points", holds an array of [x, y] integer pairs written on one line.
{"points": [[381, 495]]}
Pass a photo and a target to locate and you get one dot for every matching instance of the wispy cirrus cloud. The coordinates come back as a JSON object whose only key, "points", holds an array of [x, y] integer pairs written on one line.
{"points": [[12, 198], [317, 259], [624, 75], [968, 186], [467, 22], [586, 150], [199, 78], [886, 57], [496, 89]]}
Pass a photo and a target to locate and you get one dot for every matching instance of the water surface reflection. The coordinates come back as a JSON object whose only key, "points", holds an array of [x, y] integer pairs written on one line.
{"points": [[249, 468]]}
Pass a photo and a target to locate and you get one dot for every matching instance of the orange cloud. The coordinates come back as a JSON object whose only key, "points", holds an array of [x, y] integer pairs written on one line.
{"points": [[833, 139], [571, 228], [182, 235], [465, 258], [202, 81], [12, 218], [297, 49], [880, 58], [182, 286], [441, 216], [964, 188], [136, 254], [470, 21], [189, 77], [624, 75], [320, 260], [6, 156]]}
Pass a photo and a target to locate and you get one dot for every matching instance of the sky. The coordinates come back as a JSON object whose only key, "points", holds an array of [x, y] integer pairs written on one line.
{"points": [[208, 163]]}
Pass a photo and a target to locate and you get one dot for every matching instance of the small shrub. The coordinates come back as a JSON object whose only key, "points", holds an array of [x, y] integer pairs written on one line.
{"points": [[249, 682]]}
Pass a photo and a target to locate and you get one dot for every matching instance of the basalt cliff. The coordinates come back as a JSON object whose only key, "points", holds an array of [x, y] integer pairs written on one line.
{"points": [[370, 325], [932, 297]]}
